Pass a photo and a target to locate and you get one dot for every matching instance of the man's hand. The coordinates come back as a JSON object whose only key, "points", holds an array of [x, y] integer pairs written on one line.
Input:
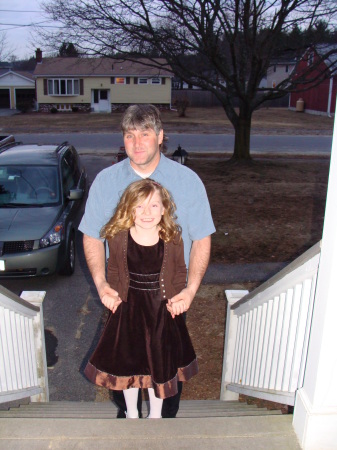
{"points": [[199, 257], [180, 303], [109, 297]]}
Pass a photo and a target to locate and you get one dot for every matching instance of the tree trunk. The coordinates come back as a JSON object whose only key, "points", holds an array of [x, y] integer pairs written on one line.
{"points": [[242, 137]]}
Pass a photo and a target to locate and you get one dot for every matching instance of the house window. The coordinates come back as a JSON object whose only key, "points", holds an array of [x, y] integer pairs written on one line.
{"points": [[155, 80], [76, 87], [142, 80], [104, 94], [69, 86], [120, 80], [310, 58], [50, 86], [56, 87], [63, 86]]}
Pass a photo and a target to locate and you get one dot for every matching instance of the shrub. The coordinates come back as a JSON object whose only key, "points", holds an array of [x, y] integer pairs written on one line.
{"points": [[181, 106], [53, 110], [74, 109]]}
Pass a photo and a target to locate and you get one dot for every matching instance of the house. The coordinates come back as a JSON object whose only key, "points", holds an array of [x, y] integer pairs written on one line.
{"points": [[16, 88], [100, 84], [279, 70], [178, 84], [320, 99]]}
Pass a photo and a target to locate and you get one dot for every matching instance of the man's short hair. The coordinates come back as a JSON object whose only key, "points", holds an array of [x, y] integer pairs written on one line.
{"points": [[141, 117]]}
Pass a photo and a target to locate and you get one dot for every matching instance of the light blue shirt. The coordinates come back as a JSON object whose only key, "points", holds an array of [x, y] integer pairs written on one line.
{"points": [[189, 194]]}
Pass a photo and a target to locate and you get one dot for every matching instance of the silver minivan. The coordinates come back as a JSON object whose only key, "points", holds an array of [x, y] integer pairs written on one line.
{"points": [[41, 192]]}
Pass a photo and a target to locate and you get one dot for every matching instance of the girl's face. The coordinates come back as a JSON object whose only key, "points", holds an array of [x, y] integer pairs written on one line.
{"points": [[148, 213]]}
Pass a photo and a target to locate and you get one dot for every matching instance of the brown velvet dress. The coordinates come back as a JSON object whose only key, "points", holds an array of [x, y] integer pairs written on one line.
{"points": [[141, 345]]}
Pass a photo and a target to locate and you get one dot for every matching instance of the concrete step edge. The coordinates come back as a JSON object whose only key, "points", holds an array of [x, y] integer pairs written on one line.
{"points": [[113, 416]]}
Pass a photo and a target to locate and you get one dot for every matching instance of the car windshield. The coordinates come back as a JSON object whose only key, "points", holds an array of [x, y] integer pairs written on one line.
{"points": [[29, 186]]}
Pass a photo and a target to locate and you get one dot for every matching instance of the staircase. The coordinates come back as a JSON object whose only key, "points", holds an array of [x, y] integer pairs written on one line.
{"points": [[107, 410], [199, 425], [83, 425]]}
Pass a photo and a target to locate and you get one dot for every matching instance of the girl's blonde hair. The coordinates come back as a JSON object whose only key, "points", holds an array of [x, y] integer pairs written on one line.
{"points": [[134, 194]]}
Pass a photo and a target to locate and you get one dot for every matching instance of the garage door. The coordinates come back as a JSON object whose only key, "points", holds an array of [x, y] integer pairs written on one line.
{"points": [[24, 97], [4, 98]]}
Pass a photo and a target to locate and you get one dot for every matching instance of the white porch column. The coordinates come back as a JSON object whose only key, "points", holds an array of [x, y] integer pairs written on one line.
{"points": [[315, 414]]}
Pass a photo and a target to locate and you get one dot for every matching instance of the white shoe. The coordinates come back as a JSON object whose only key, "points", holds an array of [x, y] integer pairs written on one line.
{"points": [[127, 417]]}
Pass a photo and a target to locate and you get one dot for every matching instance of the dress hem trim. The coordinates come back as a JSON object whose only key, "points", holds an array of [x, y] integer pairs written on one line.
{"points": [[161, 390]]}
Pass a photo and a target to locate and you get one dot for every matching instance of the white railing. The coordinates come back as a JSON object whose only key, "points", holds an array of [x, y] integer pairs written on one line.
{"points": [[267, 333], [23, 368]]}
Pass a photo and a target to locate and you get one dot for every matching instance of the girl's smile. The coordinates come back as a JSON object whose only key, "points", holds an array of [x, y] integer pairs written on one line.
{"points": [[148, 214]]}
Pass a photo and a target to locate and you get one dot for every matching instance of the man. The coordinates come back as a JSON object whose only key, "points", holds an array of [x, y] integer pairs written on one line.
{"points": [[143, 137]]}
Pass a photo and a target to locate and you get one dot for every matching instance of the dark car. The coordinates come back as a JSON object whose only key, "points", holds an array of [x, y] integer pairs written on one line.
{"points": [[41, 193]]}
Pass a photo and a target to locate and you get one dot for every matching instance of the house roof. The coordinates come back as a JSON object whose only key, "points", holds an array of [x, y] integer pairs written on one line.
{"points": [[21, 73], [24, 73], [324, 49], [89, 67], [282, 62]]}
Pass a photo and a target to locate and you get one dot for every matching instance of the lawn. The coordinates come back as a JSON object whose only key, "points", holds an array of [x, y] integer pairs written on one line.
{"points": [[197, 120]]}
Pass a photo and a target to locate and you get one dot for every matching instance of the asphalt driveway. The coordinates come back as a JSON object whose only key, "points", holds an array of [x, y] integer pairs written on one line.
{"points": [[109, 143]]}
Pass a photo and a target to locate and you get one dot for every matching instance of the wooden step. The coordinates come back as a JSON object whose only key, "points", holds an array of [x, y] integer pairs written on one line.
{"points": [[106, 410]]}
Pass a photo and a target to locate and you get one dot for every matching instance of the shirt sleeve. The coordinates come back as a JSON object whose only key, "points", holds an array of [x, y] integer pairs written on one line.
{"points": [[94, 218], [198, 211]]}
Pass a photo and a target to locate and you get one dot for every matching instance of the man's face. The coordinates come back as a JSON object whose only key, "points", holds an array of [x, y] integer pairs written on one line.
{"points": [[142, 147]]}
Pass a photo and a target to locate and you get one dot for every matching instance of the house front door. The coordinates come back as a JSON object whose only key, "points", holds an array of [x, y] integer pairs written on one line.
{"points": [[100, 100]]}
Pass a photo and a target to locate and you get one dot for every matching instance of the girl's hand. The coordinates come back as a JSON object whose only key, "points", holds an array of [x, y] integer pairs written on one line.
{"points": [[110, 302], [177, 308], [180, 303], [110, 298]]}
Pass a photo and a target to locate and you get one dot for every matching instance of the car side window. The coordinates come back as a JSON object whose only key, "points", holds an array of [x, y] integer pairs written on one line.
{"points": [[72, 160], [68, 173]]}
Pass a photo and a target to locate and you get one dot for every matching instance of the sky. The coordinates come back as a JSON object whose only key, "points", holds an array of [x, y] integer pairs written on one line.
{"points": [[16, 19]]}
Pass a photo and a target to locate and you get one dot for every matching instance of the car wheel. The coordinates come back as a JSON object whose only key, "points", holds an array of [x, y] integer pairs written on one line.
{"points": [[69, 265]]}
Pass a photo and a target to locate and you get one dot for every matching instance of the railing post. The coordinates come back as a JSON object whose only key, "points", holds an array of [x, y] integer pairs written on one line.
{"points": [[233, 296], [36, 298]]}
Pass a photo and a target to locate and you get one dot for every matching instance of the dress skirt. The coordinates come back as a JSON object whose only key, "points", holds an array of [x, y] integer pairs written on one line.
{"points": [[141, 345]]}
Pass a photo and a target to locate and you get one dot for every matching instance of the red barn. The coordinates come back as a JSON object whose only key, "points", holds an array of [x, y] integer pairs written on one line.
{"points": [[320, 99]]}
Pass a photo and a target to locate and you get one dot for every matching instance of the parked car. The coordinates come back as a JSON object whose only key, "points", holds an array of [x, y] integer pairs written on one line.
{"points": [[41, 192]]}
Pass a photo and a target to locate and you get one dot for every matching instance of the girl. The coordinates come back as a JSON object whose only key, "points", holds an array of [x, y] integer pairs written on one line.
{"points": [[145, 342]]}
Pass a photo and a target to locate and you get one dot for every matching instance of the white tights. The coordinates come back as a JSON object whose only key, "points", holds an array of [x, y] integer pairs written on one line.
{"points": [[131, 398]]}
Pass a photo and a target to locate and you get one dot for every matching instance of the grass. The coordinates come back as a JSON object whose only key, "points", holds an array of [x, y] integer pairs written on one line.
{"points": [[197, 120]]}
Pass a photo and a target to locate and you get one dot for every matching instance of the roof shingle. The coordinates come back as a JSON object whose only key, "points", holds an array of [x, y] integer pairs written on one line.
{"points": [[85, 67]]}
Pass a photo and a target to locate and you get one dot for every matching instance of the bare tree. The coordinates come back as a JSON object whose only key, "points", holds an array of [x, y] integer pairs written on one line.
{"points": [[6, 52], [223, 46]]}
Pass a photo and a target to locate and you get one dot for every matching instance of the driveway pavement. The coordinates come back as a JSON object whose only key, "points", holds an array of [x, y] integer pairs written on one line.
{"points": [[109, 143], [8, 112]]}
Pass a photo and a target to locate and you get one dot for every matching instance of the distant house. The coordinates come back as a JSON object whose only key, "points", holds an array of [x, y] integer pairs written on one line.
{"points": [[16, 87], [178, 83], [320, 99], [100, 84], [279, 70]]}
